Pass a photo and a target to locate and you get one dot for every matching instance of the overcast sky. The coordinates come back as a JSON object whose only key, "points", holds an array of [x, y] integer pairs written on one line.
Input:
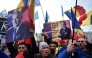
{"points": [[54, 9], [52, 6]]}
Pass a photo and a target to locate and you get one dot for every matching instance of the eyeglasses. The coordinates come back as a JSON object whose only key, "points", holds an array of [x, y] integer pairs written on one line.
{"points": [[80, 41]]}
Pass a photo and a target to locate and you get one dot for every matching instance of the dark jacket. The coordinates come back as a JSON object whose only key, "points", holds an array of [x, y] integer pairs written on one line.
{"points": [[88, 52], [65, 33], [29, 54], [49, 56], [22, 33], [47, 40]]}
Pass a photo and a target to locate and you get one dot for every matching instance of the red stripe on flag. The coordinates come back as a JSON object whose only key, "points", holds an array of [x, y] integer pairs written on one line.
{"points": [[31, 13], [80, 9], [82, 18], [76, 37]]}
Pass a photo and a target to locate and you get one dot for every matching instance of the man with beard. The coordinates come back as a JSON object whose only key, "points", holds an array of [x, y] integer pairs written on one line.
{"points": [[53, 46]]}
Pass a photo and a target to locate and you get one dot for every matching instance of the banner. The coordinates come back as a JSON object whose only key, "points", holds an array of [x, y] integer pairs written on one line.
{"points": [[59, 29], [18, 24]]}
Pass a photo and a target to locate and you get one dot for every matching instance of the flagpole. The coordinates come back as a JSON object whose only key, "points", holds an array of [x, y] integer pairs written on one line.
{"points": [[39, 25], [90, 28], [89, 31], [74, 25], [74, 19], [42, 13]]}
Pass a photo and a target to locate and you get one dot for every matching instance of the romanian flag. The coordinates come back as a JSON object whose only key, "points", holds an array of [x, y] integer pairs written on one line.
{"points": [[30, 4], [86, 19], [78, 32], [79, 11], [47, 19]]}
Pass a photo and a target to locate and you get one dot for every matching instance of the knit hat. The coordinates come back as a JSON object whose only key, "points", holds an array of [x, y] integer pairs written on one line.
{"points": [[43, 45]]}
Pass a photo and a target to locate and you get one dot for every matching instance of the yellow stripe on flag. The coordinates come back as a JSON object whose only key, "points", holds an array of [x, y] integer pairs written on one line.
{"points": [[86, 22], [20, 4], [32, 10], [80, 31]]}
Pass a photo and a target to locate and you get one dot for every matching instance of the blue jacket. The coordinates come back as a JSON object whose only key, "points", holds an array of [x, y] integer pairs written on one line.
{"points": [[3, 55], [61, 50], [64, 54]]}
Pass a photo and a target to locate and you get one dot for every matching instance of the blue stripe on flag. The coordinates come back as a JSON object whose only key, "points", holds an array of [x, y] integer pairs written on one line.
{"points": [[73, 18]]}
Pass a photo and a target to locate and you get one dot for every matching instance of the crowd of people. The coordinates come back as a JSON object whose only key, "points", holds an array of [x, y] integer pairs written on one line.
{"points": [[45, 48], [22, 44]]}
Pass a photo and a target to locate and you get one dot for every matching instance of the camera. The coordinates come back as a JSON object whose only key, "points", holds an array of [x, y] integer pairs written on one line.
{"points": [[76, 45]]}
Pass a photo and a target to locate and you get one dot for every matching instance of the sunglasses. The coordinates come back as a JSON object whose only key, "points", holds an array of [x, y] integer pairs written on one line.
{"points": [[80, 41]]}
